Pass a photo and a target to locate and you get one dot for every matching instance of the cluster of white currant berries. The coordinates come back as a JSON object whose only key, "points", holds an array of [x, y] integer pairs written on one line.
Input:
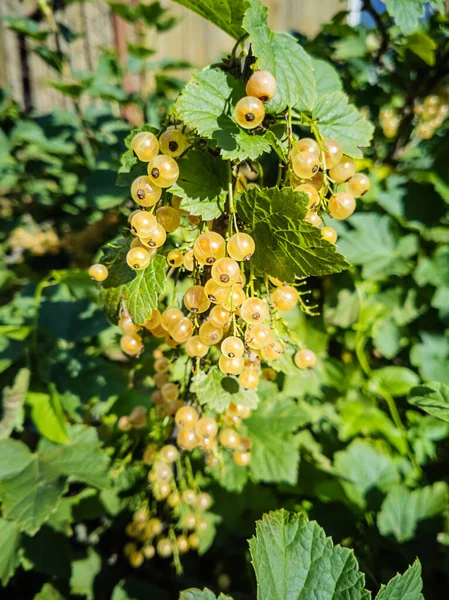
{"points": [[185, 521], [389, 119], [307, 158], [430, 114]]}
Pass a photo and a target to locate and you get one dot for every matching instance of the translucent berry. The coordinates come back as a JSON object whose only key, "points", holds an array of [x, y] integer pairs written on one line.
{"points": [[258, 336], [311, 193], [210, 334], [333, 153], [215, 292], [242, 459], [168, 217], [127, 325], [138, 258], [206, 427], [249, 378], [144, 192], [261, 85], [219, 316], [173, 142], [160, 379], [313, 218], [203, 501], [305, 164], [254, 310], [209, 247], [236, 298], [138, 417], [239, 409], [189, 521], [170, 391], [182, 543], [149, 551], [272, 351], [174, 500], [229, 438], [306, 145], [358, 185], [175, 258], [143, 223], [163, 171], [164, 548], [186, 417], [161, 365], [157, 237], [196, 300], [343, 170], [188, 260], [305, 359], [154, 321], [195, 347], [241, 246], [232, 347], [181, 330], [136, 559], [124, 424], [317, 180], [145, 146], [187, 439], [168, 453], [131, 344], [98, 272], [249, 112], [341, 205], [194, 541], [231, 366], [285, 298], [329, 234], [225, 271], [170, 316]]}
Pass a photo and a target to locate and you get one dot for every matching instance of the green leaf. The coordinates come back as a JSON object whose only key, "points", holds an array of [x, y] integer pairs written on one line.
{"points": [[284, 58], [406, 13], [28, 495], [9, 557], [377, 248], [81, 459], [275, 454], [47, 414], [83, 574], [226, 14], [423, 46], [327, 79], [431, 356], [137, 290], [202, 184], [404, 587], [196, 594], [396, 381], [28, 27], [364, 467], [48, 592], [217, 390], [204, 105], [286, 245], [402, 509], [293, 559], [337, 119], [432, 398]]}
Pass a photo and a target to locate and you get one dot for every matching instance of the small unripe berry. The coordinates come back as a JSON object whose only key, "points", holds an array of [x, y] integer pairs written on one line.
{"points": [[329, 234]]}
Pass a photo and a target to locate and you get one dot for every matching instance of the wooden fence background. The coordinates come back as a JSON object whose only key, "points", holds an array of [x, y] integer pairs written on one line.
{"points": [[194, 40]]}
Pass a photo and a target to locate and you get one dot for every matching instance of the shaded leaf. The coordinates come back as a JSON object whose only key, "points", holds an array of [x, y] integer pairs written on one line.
{"points": [[286, 245], [432, 398]]}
